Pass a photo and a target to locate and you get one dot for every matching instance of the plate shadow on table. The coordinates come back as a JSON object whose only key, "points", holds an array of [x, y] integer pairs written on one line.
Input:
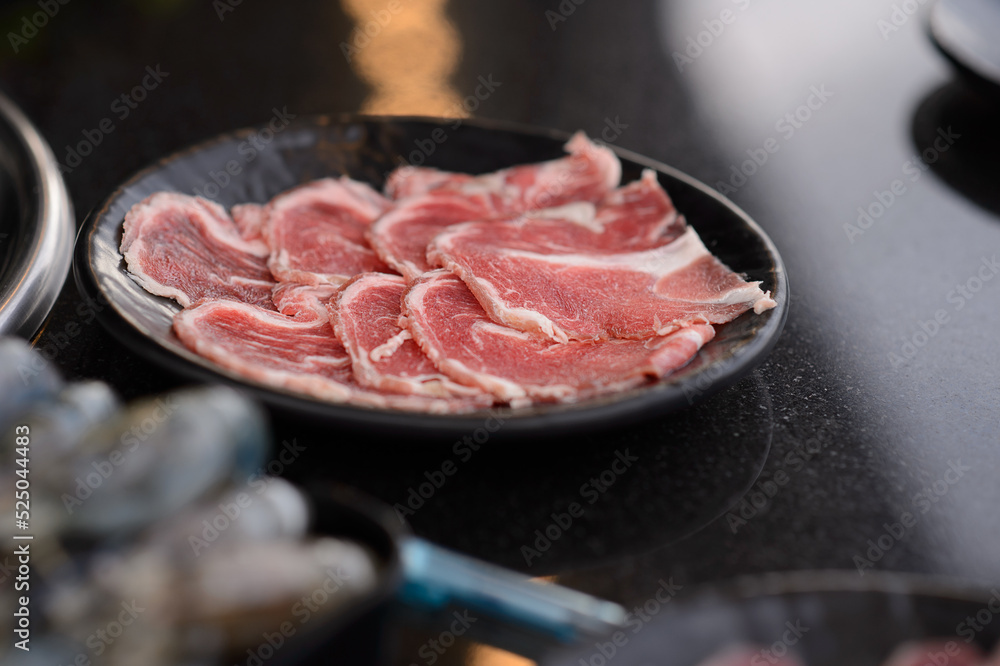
{"points": [[966, 162]]}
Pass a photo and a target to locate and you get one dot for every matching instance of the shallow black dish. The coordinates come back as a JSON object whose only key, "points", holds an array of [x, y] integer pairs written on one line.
{"points": [[263, 162], [838, 617]]}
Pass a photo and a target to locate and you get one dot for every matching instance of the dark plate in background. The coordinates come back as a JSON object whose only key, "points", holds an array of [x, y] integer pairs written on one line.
{"points": [[270, 159], [840, 617]]}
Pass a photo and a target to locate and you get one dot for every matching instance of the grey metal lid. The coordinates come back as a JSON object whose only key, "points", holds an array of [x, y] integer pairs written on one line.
{"points": [[36, 225]]}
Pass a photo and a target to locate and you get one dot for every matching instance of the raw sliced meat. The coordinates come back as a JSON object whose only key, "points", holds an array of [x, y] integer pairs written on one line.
{"points": [[365, 317], [187, 248], [299, 354], [303, 301], [317, 232], [453, 330], [400, 237], [249, 219], [269, 347], [588, 173], [639, 215], [537, 287]]}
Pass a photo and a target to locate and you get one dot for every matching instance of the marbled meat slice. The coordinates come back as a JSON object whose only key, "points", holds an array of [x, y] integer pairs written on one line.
{"points": [[303, 301], [187, 248], [269, 347], [527, 282], [297, 353], [639, 215], [400, 237], [365, 317], [316, 232], [249, 219], [453, 330], [588, 173]]}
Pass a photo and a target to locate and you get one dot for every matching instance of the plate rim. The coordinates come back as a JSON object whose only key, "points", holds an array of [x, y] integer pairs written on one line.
{"points": [[661, 397]]}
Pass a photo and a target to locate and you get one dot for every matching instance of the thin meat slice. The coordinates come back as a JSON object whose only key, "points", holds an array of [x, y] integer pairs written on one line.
{"points": [[639, 215], [528, 282], [303, 301], [400, 237], [187, 248], [269, 347], [365, 317], [455, 332], [249, 219], [588, 173], [317, 232], [298, 353]]}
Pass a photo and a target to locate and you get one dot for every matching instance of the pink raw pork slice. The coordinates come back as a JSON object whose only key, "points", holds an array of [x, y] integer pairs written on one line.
{"points": [[188, 248], [452, 328], [400, 237], [636, 216], [588, 173], [249, 219], [297, 351], [316, 232], [365, 317], [296, 354], [523, 273]]}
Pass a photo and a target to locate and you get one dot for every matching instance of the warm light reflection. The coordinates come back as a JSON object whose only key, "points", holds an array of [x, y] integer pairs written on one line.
{"points": [[406, 50], [484, 655]]}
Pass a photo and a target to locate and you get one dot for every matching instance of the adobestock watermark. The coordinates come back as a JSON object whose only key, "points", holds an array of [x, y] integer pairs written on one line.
{"points": [[635, 620], [223, 7], [899, 15], [779, 649], [121, 107], [304, 609], [763, 492], [130, 440], [786, 126], [30, 25], [591, 491], [958, 297], [922, 501], [463, 449], [696, 45], [233, 506], [912, 169], [562, 12], [86, 311], [435, 647], [424, 148], [972, 625], [248, 151], [363, 33]]}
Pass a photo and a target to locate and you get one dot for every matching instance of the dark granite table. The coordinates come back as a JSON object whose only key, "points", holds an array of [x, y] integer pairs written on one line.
{"points": [[869, 439]]}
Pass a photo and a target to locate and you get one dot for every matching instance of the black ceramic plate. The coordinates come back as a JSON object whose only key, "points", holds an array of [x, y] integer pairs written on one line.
{"points": [[254, 165], [824, 618]]}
